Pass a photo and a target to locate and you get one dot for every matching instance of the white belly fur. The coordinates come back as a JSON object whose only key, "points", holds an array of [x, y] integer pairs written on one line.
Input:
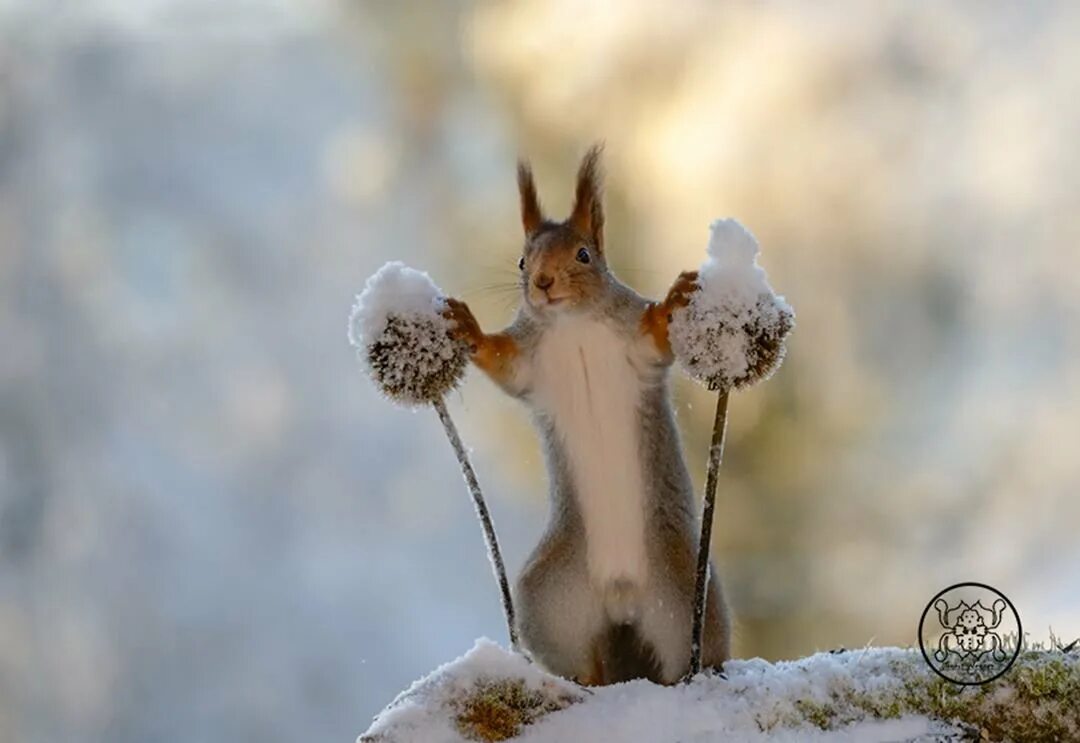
{"points": [[587, 384]]}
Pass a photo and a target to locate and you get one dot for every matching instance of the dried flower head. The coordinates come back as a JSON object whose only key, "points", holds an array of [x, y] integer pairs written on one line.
{"points": [[732, 332], [402, 338]]}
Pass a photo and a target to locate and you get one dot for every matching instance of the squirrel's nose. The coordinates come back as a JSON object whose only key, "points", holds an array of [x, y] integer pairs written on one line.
{"points": [[543, 281]]}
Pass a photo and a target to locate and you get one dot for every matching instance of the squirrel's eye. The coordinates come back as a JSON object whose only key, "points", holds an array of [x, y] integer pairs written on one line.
{"points": [[521, 264], [583, 255]]}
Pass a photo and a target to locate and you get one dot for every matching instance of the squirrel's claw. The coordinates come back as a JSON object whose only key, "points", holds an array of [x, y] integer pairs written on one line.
{"points": [[679, 294], [657, 317], [465, 326]]}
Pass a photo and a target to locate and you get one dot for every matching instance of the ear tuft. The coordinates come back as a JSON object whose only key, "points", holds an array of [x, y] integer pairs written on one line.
{"points": [[532, 214], [588, 214]]}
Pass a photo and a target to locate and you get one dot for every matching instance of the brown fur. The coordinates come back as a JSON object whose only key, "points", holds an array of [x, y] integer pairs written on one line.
{"points": [[532, 214], [587, 216], [657, 317], [493, 353]]}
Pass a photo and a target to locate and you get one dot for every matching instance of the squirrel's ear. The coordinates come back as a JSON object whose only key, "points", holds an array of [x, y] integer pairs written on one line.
{"points": [[532, 215], [588, 215]]}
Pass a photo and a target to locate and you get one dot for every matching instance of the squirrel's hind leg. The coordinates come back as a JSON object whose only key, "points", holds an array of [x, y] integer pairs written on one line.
{"points": [[559, 615], [717, 639], [667, 617]]}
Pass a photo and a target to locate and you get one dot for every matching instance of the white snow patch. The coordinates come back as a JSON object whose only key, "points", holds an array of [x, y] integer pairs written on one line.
{"points": [[395, 289], [757, 701]]}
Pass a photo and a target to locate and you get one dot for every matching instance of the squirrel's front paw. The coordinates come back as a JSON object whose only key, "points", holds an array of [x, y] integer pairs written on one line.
{"points": [[657, 317], [465, 327], [679, 294]]}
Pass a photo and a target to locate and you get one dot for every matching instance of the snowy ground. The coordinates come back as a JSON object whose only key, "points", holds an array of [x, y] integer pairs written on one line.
{"points": [[877, 694]]}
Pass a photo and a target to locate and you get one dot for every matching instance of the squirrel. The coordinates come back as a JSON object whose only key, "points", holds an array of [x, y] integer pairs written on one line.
{"points": [[607, 594]]}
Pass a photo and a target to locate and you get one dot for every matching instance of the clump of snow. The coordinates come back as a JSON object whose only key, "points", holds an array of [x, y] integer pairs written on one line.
{"points": [[757, 701], [732, 332], [875, 694], [402, 338], [429, 710]]}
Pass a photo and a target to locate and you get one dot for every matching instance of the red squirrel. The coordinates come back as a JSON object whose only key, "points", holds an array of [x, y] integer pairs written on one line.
{"points": [[606, 596]]}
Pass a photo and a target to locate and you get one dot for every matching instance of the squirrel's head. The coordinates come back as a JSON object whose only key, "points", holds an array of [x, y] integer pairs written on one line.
{"points": [[563, 265]]}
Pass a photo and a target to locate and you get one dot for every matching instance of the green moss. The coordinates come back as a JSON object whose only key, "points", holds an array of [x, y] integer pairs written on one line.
{"points": [[819, 715], [1037, 700], [497, 710], [1048, 680], [886, 709]]}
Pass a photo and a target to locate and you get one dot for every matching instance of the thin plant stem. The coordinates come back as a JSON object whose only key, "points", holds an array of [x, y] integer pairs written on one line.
{"points": [[482, 513], [701, 588]]}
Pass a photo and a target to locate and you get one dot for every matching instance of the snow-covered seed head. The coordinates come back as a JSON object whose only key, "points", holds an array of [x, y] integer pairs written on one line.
{"points": [[402, 338], [732, 332]]}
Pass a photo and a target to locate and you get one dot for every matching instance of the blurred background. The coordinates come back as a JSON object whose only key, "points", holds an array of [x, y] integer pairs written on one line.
{"points": [[211, 526]]}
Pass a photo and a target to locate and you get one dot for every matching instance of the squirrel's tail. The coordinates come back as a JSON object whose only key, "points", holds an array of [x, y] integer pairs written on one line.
{"points": [[622, 651], [626, 655]]}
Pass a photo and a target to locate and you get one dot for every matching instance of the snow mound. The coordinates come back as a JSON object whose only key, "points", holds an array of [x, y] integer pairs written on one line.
{"points": [[732, 332], [402, 338], [441, 706], [876, 694]]}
